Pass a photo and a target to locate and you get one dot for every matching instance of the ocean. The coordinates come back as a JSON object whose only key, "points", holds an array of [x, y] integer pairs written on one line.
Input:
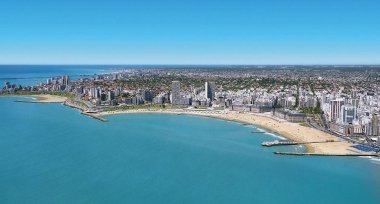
{"points": [[50, 153], [28, 75], [34, 74]]}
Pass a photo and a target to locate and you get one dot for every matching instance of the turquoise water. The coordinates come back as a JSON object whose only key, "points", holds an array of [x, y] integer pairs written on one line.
{"points": [[50, 153]]}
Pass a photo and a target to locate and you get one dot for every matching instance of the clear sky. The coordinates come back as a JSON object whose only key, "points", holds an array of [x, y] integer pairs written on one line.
{"points": [[190, 32]]}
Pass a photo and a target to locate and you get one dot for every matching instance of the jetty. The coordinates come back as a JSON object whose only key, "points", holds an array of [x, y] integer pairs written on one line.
{"points": [[288, 142], [24, 101], [86, 112], [94, 116], [321, 154], [66, 103]]}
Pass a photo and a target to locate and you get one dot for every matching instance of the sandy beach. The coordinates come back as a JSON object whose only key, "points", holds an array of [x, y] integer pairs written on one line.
{"points": [[40, 98], [49, 98], [292, 131]]}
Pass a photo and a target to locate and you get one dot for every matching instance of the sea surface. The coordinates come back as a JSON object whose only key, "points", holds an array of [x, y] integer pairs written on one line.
{"points": [[50, 153], [28, 75]]}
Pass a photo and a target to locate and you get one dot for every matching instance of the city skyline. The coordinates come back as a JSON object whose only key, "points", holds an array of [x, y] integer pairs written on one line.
{"points": [[341, 101]]}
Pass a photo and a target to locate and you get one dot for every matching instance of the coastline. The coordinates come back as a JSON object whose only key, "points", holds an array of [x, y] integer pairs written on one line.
{"points": [[49, 98], [40, 98], [292, 131]]}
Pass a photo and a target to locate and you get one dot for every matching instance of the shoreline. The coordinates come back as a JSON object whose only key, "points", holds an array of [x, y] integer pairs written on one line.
{"points": [[291, 131], [40, 98], [271, 125]]}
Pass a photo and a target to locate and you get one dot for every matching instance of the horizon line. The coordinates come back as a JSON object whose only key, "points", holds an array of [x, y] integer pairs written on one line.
{"points": [[173, 64]]}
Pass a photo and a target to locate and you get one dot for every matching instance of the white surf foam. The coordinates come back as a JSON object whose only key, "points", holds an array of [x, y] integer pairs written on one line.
{"points": [[375, 160], [276, 136], [261, 130]]}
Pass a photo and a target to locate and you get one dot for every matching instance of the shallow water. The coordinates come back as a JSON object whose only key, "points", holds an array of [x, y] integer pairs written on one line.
{"points": [[50, 153]]}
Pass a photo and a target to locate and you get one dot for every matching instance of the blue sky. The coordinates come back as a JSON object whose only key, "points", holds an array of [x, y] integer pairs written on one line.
{"points": [[190, 32]]}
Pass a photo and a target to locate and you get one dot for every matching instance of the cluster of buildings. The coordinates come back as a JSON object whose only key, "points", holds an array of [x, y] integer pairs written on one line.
{"points": [[197, 97], [345, 102], [351, 115], [61, 83]]}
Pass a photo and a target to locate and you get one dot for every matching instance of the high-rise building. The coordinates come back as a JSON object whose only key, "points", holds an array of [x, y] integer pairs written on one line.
{"points": [[210, 90], [92, 92], [111, 95], [95, 92], [176, 93], [65, 80], [375, 125], [335, 109], [348, 113], [147, 95], [7, 85]]}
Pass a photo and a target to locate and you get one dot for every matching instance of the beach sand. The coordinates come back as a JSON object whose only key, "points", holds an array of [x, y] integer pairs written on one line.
{"points": [[48, 98], [292, 131], [39, 98]]}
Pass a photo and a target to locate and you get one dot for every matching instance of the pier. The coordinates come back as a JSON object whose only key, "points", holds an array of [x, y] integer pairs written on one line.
{"points": [[320, 154], [287, 142]]}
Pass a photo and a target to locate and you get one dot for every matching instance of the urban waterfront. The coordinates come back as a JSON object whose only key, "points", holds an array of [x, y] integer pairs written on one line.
{"points": [[243, 101], [52, 154], [332, 109]]}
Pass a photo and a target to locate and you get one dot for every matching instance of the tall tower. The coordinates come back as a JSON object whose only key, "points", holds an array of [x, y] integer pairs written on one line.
{"points": [[210, 90], [65, 80], [111, 95], [335, 109], [375, 125], [176, 93]]}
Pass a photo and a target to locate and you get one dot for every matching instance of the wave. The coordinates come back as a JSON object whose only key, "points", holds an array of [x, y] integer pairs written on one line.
{"points": [[271, 134], [299, 148], [375, 160], [276, 136], [261, 130]]}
